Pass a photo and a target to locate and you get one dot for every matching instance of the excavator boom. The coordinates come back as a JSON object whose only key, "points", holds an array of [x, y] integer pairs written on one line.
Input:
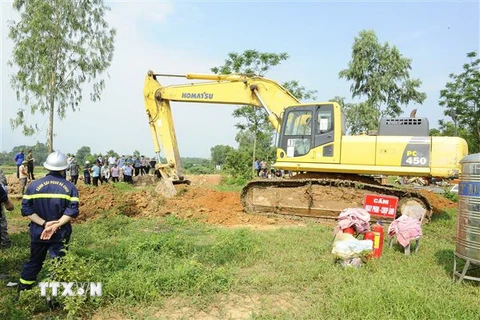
{"points": [[219, 89]]}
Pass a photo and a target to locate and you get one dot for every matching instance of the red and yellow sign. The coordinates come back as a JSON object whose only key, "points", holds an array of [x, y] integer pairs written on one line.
{"points": [[380, 205]]}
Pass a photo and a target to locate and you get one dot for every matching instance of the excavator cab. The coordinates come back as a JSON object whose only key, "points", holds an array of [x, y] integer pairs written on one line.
{"points": [[308, 127]]}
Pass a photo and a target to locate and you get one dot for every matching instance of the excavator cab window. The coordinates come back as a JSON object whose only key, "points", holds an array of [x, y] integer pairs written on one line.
{"points": [[324, 121], [298, 132]]}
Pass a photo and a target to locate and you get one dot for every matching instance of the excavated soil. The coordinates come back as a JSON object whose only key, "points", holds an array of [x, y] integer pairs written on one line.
{"points": [[194, 201], [438, 202]]}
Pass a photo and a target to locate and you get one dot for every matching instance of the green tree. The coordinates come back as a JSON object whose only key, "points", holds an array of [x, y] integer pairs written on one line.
{"points": [[237, 164], [39, 150], [255, 120], [58, 46], [250, 62], [112, 153], [254, 63], [446, 129], [360, 117], [298, 91], [219, 153], [381, 74], [461, 100], [238, 161], [82, 154], [136, 154], [197, 165]]}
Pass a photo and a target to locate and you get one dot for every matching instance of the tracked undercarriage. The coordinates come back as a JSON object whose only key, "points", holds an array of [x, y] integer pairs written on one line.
{"points": [[322, 196]]}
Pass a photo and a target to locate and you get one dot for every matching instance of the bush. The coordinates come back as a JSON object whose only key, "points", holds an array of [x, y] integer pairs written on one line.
{"points": [[199, 169], [74, 268]]}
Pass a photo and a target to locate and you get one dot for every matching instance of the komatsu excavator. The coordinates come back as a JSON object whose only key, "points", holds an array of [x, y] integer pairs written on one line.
{"points": [[333, 170]]}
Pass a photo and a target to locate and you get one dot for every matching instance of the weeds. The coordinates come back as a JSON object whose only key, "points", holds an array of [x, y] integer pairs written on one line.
{"points": [[452, 196]]}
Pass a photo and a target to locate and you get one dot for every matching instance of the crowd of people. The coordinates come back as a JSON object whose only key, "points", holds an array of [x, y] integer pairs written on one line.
{"points": [[102, 170], [263, 171], [106, 169]]}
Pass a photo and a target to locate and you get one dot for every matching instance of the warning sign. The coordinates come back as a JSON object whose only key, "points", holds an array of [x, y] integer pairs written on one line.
{"points": [[380, 205]]}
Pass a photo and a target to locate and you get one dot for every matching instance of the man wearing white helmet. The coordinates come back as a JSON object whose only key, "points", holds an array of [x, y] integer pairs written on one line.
{"points": [[50, 203]]}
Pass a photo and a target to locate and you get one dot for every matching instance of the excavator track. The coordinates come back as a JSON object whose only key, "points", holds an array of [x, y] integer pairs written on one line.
{"points": [[322, 198]]}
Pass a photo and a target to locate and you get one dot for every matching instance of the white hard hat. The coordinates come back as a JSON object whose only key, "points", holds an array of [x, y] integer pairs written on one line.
{"points": [[87, 162], [56, 161]]}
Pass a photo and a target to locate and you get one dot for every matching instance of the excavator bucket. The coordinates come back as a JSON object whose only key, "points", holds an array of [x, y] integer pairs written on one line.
{"points": [[165, 187]]}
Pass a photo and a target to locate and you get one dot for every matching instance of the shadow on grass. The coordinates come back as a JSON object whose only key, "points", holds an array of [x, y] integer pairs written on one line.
{"points": [[444, 216]]}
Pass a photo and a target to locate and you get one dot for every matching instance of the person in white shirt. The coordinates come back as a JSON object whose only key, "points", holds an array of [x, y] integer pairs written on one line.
{"points": [[111, 161], [105, 174], [70, 159]]}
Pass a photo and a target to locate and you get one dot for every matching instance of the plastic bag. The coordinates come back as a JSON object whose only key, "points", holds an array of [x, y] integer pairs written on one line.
{"points": [[347, 246]]}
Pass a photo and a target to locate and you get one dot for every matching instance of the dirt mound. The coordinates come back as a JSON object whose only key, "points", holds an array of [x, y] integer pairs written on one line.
{"points": [[145, 180], [205, 179], [438, 202], [214, 207], [202, 204], [96, 201], [13, 184]]}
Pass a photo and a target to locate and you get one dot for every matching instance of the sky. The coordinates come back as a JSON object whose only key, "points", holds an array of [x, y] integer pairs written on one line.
{"points": [[182, 37]]}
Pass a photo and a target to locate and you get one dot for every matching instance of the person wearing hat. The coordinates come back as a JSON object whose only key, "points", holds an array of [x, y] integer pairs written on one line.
{"points": [[50, 203], [23, 175]]}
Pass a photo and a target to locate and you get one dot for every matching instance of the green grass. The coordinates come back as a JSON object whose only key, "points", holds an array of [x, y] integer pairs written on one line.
{"points": [[39, 170], [228, 187], [153, 268]]}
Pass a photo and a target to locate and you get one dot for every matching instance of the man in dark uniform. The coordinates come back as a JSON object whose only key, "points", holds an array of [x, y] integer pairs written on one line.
{"points": [[4, 201], [50, 203]]}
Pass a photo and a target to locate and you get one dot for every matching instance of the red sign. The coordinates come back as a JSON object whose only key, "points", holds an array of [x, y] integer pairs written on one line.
{"points": [[380, 205]]}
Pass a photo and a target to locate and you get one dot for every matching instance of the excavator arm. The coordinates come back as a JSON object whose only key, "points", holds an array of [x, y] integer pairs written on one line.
{"points": [[215, 89]]}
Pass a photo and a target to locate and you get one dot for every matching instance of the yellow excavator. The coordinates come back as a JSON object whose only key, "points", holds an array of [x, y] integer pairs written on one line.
{"points": [[332, 170]]}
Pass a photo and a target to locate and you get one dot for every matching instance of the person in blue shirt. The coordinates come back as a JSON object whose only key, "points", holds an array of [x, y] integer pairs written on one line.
{"points": [[127, 173], [96, 174], [257, 167], [50, 203], [19, 157]]}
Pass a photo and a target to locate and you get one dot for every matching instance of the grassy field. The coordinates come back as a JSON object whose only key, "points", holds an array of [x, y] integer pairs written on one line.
{"points": [[168, 268], [39, 170]]}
